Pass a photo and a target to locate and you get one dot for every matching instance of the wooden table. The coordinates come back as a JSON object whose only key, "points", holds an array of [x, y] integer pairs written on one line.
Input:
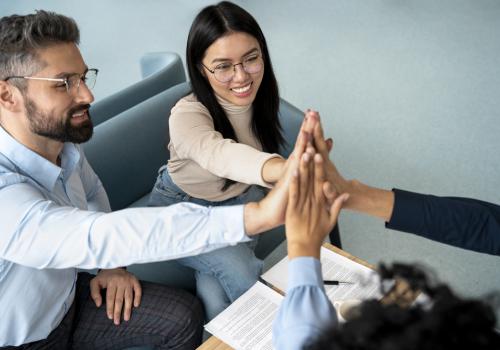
{"points": [[400, 291]]}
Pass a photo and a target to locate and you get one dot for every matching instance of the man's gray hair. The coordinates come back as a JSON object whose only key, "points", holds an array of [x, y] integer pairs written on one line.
{"points": [[21, 36]]}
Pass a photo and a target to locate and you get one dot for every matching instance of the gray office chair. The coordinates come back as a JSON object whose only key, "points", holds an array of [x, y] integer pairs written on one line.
{"points": [[156, 79]]}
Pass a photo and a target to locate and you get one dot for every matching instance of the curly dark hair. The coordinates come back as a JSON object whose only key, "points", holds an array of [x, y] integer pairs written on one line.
{"points": [[21, 36], [445, 322]]}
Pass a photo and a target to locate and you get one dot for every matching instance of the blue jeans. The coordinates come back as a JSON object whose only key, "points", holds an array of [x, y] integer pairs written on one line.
{"points": [[221, 275]]}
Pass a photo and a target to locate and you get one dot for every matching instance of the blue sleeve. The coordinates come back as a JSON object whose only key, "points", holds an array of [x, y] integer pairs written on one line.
{"points": [[306, 312], [32, 224], [461, 222]]}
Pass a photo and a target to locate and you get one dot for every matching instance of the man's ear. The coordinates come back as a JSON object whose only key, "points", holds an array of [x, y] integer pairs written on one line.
{"points": [[10, 97]]}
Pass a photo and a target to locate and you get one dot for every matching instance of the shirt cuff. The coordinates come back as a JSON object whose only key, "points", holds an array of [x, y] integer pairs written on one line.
{"points": [[407, 212], [304, 271], [228, 224]]}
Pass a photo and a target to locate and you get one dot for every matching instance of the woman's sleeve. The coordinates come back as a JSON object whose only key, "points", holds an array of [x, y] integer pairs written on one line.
{"points": [[193, 136]]}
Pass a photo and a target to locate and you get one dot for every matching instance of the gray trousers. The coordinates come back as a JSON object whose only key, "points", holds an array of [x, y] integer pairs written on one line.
{"points": [[167, 318]]}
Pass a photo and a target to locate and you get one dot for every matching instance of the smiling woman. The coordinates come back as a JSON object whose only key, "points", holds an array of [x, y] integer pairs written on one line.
{"points": [[224, 139], [237, 68]]}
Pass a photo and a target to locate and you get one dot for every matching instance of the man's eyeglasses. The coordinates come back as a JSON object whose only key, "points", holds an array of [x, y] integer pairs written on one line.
{"points": [[225, 72], [72, 81]]}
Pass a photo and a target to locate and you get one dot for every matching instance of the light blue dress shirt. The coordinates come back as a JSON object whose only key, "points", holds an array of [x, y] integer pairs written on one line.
{"points": [[306, 312], [56, 219]]}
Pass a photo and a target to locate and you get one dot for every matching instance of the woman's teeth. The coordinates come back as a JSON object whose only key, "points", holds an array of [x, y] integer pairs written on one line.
{"points": [[242, 89]]}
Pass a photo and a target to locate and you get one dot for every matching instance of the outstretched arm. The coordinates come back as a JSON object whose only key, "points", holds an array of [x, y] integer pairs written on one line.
{"points": [[272, 170], [461, 222]]}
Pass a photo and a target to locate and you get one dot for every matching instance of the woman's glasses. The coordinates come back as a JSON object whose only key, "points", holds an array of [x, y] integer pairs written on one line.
{"points": [[225, 72]]}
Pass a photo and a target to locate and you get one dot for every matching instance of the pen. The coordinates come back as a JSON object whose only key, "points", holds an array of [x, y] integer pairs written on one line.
{"points": [[335, 283]]}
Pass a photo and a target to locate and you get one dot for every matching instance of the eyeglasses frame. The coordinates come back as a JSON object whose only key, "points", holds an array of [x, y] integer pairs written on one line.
{"points": [[60, 80], [234, 69]]}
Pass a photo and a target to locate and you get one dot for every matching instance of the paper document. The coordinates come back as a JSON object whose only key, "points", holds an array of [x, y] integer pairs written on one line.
{"points": [[334, 267], [248, 322]]}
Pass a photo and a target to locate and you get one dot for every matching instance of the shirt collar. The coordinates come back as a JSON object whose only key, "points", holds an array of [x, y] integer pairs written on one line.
{"points": [[35, 166]]}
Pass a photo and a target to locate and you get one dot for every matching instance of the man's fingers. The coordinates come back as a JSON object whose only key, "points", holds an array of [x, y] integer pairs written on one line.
{"points": [[129, 298], [118, 305], [137, 293], [293, 192], [330, 195], [110, 301], [310, 179], [301, 142], [310, 121], [319, 140], [304, 177], [304, 122], [336, 207], [95, 292], [319, 178], [303, 139], [310, 149], [329, 192]]}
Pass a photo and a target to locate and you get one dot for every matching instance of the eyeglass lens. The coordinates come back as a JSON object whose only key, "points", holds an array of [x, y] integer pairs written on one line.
{"points": [[226, 72], [89, 79]]}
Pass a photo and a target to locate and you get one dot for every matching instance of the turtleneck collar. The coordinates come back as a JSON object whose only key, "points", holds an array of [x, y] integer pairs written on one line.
{"points": [[231, 108]]}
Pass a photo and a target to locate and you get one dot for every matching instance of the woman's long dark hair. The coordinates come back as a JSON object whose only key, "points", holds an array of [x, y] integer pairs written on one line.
{"points": [[212, 23]]}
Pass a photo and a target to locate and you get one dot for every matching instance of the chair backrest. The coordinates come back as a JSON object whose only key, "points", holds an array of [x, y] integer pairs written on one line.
{"points": [[152, 62], [170, 74], [291, 119], [127, 150]]}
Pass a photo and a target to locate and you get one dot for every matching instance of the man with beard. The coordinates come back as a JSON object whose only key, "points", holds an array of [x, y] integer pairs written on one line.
{"points": [[56, 216]]}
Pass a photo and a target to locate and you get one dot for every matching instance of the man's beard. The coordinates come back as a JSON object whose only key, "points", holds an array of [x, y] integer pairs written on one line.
{"points": [[60, 130]]}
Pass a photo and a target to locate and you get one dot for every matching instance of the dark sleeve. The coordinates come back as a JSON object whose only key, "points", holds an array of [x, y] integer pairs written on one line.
{"points": [[461, 222]]}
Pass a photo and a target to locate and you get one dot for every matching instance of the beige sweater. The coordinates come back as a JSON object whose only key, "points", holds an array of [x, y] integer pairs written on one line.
{"points": [[201, 159]]}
